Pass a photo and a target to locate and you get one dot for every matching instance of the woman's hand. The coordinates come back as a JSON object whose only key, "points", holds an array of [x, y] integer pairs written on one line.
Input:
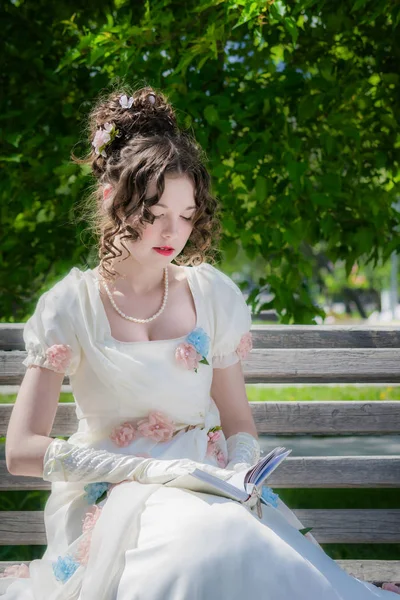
{"points": [[162, 471]]}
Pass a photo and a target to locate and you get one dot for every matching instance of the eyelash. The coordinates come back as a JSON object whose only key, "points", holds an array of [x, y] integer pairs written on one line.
{"points": [[184, 218]]}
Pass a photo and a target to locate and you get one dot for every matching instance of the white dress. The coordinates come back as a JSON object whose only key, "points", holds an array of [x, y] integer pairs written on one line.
{"points": [[151, 542]]}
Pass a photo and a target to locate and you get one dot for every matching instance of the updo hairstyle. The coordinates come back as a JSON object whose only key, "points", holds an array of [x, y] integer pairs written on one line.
{"points": [[147, 144]]}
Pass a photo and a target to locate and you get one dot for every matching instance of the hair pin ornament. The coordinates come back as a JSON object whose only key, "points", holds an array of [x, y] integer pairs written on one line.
{"points": [[104, 136], [126, 102]]}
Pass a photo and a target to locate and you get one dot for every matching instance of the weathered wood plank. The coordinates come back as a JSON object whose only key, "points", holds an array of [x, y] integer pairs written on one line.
{"points": [[327, 418], [325, 336], [276, 336], [353, 526], [318, 418], [329, 526], [304, 471], [337, 472], [320, 365], [22, 527], [373, 571], [323, 365]]}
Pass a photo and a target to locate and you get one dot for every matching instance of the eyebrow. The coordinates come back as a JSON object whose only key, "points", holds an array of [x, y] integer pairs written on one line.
{"points": [[164, 206]]}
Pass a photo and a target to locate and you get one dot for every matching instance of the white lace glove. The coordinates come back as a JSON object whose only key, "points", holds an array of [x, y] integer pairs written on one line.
{"points": [[67, 462], [243, 451]]}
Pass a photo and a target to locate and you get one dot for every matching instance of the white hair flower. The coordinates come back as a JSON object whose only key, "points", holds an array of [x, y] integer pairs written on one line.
{"points": [[126, 102]]}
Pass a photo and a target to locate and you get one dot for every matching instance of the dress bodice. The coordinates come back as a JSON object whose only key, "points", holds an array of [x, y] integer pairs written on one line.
{"points": [[161, 387]]}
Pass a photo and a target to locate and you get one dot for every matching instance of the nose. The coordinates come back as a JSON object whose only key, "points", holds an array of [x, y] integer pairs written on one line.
{"points": [[170, 230]]}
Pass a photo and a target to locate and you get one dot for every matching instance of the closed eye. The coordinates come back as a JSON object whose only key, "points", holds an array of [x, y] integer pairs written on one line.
{"points": [[184, 218]]}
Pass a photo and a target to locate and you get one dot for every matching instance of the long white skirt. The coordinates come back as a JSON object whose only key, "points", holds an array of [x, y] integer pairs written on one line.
{"points": [[153, 542]]}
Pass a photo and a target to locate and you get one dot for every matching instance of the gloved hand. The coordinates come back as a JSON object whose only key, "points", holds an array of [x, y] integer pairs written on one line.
{"points": [[243, 451], [67, 462], [162, 471]]}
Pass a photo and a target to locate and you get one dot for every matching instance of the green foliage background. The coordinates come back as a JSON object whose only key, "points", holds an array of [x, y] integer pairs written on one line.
{"points": [[296, 104]]}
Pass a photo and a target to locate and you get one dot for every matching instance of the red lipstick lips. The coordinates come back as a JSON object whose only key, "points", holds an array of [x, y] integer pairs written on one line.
{"points": [[164, 250]]}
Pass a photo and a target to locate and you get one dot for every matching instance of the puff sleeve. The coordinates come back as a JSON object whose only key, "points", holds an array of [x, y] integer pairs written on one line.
{"points": [[49, 336], [232, 321]]}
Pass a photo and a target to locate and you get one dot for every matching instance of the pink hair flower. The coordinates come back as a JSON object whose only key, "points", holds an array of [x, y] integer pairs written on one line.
{"points": [[157, 426], [123, 434], [59, 357], [104, 136], [245, 345]]}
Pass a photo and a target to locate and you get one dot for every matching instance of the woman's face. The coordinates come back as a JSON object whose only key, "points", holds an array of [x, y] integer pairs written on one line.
{"points": [[163, 240]]}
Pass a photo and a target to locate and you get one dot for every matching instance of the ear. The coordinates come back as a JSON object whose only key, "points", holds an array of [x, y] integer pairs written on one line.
{"points": [[107, 192]]}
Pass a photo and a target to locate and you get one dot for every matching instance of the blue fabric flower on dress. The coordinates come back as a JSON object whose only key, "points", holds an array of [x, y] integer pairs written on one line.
{"points": [[269, 496], [199, 340], [94, 491], [195, 346], [64, 568]]}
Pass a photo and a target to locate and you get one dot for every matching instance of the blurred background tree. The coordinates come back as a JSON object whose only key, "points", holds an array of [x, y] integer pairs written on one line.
{"points": [[296, 104]]}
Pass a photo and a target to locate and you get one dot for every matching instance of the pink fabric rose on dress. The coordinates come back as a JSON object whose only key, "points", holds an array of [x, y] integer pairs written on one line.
{"points": [[391, 587], [213, 448], [187, 356], [221, 458], [123, 434], [245, 345], [213, 436], [59, 357], [157, 426], [19, 571], [82, 554], [89, 522], [91, 518]]}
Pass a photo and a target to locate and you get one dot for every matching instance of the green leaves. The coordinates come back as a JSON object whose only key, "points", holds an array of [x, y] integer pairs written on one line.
{"points": [[211, 114], [295, 107], [305, 530]]}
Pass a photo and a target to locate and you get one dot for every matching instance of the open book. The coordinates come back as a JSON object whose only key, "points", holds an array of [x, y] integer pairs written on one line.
{"points": [[240, 486]]}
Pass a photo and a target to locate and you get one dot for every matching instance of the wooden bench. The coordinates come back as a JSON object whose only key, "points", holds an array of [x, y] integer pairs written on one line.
{"points": [[281, 354]]}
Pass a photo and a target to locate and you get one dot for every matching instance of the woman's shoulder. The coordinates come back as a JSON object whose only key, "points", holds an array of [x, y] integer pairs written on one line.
{"points": [[66, 290], [216, 283]]}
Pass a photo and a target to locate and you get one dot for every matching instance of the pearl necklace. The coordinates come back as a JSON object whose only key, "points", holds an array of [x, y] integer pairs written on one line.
{"points": [[158, 313]]}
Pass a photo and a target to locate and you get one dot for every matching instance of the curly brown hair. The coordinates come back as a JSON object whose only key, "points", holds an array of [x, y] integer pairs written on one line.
{"points": [[146, 143]]}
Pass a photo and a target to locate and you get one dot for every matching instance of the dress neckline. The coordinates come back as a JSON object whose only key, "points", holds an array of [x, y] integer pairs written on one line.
{"points": [[140, 342]]}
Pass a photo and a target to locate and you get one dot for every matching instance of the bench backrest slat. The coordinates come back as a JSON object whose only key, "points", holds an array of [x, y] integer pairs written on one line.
{"points": [[330, 526], [294, 472], [318, 418], [324, 365], [276, 336]]}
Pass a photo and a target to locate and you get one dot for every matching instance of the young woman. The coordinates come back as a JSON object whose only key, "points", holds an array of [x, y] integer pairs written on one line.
{"points": [[152, 340]]}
